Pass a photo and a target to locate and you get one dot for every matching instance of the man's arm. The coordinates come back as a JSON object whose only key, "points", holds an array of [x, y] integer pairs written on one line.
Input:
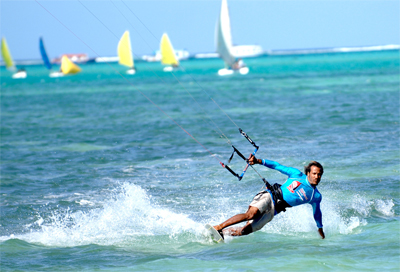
{"points": [[289, 171], [318, 218]]}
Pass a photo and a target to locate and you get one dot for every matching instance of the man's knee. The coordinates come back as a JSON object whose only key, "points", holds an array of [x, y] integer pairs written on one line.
{"points": [[252, 212]]}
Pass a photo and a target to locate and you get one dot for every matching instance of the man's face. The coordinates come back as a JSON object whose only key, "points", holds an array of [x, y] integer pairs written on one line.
{"points": [[314, 176]]}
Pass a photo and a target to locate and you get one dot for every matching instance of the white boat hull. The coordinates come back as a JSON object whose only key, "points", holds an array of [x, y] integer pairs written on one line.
{"points": [[244, 70], [169, 69], [131, 72], [56, 74], [20, 74], [227, 72]]}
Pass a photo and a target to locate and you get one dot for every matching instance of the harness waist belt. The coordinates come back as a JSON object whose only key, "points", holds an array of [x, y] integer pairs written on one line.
{"points": [[280, 203]]}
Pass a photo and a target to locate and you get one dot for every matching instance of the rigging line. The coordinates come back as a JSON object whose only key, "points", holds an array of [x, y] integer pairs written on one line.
{"points": [[263, 179], [228, 141], [186, 73], [184, 68], [212, 99], [131, 25], [180, 83], [256, 172], [98, 19], [173, 74], [219, 134], [151, 101], [139, 20]]}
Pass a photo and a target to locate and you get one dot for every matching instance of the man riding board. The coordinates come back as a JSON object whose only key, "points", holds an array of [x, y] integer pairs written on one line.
{"points": [[298, 189]]}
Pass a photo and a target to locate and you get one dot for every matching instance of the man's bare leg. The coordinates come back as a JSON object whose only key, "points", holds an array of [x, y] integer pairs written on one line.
{"points": [[250, 214], [239, 231]]}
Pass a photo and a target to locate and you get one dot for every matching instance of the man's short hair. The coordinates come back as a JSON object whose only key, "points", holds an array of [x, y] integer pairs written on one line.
{"points": [[307, 168]]}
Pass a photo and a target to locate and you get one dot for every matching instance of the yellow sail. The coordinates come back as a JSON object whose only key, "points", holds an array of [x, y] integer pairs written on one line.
{"points": [[167, 52], [7, 56], [124, 50], [68, 67]]}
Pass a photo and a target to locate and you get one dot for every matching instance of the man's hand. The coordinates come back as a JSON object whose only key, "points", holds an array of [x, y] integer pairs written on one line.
{"points": [[253, 160], [321, 232]]}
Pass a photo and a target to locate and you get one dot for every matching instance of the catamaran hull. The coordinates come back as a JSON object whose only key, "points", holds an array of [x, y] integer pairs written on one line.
{"points": [[227, 72], [56, 74], [21, 74], [169, 69], [131, 72]]}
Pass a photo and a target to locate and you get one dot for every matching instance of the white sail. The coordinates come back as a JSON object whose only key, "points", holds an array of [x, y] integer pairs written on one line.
{"points": [[223, 36]]}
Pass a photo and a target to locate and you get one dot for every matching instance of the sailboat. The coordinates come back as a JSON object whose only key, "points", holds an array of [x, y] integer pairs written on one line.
{"points": [[224, 44], [168, 56], [125, 53], [68, 67], [46, 60], [5, 52]]}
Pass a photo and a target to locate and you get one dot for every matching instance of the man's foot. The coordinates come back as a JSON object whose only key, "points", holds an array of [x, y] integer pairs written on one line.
{"points": [[217, 227], [221, 233]]}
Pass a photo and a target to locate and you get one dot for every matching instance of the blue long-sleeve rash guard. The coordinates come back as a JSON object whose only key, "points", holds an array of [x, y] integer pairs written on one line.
{"points": [[297, 190]]}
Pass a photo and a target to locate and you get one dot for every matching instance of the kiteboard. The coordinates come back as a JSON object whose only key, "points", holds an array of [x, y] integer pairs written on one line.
{"points": [[215, 236]]}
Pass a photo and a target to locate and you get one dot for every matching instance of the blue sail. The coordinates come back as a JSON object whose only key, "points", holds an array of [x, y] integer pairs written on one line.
{"points": [[45, 58]]}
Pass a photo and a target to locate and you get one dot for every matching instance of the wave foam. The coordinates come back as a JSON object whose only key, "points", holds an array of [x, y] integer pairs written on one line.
{"points": [[124, 218], [128, 215], [338, 217]]}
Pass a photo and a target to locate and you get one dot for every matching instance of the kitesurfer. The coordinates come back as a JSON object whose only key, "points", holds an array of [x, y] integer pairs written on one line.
{"points": [[299, 188]]}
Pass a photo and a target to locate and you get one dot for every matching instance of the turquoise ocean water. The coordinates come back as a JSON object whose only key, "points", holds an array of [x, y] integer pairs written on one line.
{"points": [[95, 177]]}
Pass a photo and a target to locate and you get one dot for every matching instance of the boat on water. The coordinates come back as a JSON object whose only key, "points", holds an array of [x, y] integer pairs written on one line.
{"points": [[46, 60], [231, 55], [125, 53], [68, 67], [168, 56], [180, 55], [76, 58], [9, 62]]}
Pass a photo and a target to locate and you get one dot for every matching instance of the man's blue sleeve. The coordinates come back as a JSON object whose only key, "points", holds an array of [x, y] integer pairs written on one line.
{"points": [[317, 213], [289, 171]]}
